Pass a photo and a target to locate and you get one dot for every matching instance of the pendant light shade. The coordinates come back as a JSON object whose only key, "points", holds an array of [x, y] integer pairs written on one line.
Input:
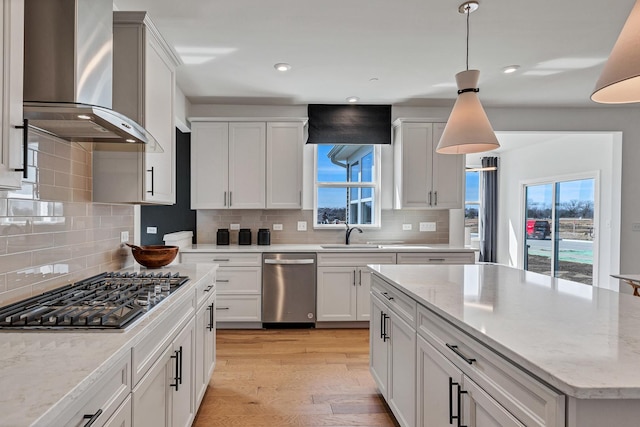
{"points": [[468, 129], [619, 82]]}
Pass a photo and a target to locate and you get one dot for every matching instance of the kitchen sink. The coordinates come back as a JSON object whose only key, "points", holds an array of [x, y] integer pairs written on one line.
{"points": [[350, 246]]}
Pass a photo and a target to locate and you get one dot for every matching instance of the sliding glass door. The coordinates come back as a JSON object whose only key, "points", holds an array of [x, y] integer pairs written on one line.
{"points": [[559, 229]]}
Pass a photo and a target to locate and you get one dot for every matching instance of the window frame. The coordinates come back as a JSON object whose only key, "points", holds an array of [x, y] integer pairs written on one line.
{"points": [[374, 185], [478, 202]]}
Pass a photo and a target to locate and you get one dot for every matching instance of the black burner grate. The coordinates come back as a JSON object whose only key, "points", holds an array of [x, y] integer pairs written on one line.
{"points": [[106, 301]]}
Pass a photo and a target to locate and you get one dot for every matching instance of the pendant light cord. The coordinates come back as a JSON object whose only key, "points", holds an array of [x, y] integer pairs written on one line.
{"points": [[468, 11]]}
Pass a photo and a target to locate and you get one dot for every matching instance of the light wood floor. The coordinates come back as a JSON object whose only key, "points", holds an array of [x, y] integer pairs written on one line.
{"points": [[277, 378]]}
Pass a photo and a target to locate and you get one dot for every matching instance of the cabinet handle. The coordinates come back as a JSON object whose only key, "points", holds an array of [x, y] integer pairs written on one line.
{"points": [[436, 198], [230, 193], [385, 337], [386, 295], [210, 325], [381, 325], [25, 147], [151, 170], [92, 418], [459, 393], [177, 367], [454, 348], [300, 193], [225, 199], [451, 416], [222, 280], [360, 277], [222, 308], [429, 198], [208, 288], [354, 277], [437, 259], [221, 260]]}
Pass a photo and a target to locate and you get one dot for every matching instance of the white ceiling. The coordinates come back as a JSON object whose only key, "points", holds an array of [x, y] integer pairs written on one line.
{"points": [[413, 47]]}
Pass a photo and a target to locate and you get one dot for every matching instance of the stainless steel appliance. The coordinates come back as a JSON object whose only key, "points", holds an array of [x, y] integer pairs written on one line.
{"points": [[289, 288], [108, 301]]}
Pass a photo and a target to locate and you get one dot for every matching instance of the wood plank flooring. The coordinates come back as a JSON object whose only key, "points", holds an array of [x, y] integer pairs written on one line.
{"points": [[293, 377]]}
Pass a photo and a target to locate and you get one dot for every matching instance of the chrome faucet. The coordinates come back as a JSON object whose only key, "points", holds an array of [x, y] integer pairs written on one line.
{"points": [[349, 230]]}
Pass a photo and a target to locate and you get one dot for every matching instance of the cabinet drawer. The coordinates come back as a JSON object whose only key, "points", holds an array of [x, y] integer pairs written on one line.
{"points": [[106, 395], [239, 308], [236, 259], [436, 258], [239, 280], [397, 301], [354, 259], [205, 288], [529, 400], [145, 353]]}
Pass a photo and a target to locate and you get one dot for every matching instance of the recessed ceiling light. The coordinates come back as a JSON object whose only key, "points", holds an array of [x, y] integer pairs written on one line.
{"points": [[510, 69], [84, 117], [353, 99], [282, 66]]}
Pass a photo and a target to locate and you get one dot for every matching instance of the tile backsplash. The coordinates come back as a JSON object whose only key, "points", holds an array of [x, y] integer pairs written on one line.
{"points": [[391, 230], [51, 233]]}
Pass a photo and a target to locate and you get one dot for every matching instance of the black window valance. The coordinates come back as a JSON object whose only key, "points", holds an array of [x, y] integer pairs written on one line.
{"points": [[349, 124]]}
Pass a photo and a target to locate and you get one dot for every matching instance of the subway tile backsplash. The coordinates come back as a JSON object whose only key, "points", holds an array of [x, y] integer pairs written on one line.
{"points": [[51, 234], [391, 231]]}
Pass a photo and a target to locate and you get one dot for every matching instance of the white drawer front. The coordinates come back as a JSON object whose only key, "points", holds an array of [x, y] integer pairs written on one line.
{"points": [[354, 259], [400, 303], [531, 401], [206, 286], [239, 280], [239, 308], [236, 259], [436, 258]]}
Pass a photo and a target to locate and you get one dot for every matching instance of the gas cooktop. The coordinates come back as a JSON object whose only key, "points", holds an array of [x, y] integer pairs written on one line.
{"points": [[108, 301]]}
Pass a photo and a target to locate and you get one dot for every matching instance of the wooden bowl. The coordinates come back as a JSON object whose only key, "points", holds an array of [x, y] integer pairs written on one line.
{"points": [[154, 256]]}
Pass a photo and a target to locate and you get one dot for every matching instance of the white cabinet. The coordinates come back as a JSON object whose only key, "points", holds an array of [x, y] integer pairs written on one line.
{"points": [[143, 89], [205, 349], [436, 258], [11, 137], [165, 395], [423, 178], [246, 165], [284, 165], [238, 286], [393, 340], [343, 285]]}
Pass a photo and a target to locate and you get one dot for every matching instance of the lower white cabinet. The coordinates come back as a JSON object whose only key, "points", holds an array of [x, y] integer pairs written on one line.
{"points": [[205, 357], [165, 395], [343, 293]]}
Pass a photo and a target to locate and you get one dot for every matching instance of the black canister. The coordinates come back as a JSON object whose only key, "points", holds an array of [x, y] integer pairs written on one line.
{"points": [[222, 236], [264, 236], [244, 236]]}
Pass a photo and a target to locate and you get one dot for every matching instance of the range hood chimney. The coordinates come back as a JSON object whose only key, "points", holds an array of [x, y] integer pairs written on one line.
{"points": [[68, 69]]}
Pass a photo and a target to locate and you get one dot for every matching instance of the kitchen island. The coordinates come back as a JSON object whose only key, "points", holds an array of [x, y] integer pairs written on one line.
{"points": [[48, 376], [540, 350]]}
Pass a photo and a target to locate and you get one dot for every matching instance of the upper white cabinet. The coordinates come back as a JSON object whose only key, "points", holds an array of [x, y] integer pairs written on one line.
{"points": [[246, 165], [143, 89], [423, 178], [11, 139]]}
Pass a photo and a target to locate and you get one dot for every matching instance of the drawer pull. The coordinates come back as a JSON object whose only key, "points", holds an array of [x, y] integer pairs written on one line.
{"points": [[386, 295], [437, 259], [454, 348], [222, 308], [92, 418], [208, 288], [221, 259], [222, 280], [211, 320]]}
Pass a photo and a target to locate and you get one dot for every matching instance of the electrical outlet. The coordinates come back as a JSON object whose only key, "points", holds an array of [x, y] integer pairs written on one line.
{"points": [[152, 230], [124, 236], [234, 226], [635, 226], [427, 226], [302, 225], [277, 227], [406, 227]]}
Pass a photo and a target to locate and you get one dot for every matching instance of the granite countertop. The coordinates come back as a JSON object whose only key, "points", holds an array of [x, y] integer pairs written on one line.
{"points": [[329, 247], [582, 340], [41, 372]]}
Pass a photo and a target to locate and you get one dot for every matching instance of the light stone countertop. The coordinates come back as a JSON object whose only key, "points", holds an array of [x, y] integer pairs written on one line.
{"points": [[41, 373], [582, 340], [337, 247]]}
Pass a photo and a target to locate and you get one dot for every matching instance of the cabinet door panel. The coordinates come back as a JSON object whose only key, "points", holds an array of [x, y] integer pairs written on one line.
{"points": [[481, 410], [337, 294], [247, 150], [378, 354], [122, 417], [209, 165], [151, 398], [448, 175], [183, 407], [363, 309], [402, 370], [415, 155], [284, 165]]}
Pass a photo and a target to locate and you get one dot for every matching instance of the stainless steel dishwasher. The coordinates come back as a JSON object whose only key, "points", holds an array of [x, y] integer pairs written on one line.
{"points": [[289, 288]]}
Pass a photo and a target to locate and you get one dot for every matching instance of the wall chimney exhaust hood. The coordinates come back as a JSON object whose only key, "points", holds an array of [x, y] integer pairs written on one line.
{"points": [[68, 69]]}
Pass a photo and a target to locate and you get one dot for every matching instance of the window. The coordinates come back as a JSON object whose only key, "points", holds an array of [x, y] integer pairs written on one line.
{"points": [[472, 202], [347, 185]]}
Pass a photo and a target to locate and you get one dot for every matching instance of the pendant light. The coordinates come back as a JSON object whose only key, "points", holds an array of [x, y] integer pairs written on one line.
{"points": [[468, 129], [619, 82]]}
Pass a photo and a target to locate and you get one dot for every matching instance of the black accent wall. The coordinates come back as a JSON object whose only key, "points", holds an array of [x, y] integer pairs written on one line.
{"points": [[178, 217]]}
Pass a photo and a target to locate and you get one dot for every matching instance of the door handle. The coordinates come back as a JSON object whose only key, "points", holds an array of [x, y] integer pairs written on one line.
{"points": [[25, 147], [229, 198], [429, 198], [210, 325], [454, 348], [289, 261], [436, 198], [360, 277], [151, 170], [92, 418], [225, 199]]}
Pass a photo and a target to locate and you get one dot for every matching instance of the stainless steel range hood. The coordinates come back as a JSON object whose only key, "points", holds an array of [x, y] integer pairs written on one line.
{"points": [[68, 71]]}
